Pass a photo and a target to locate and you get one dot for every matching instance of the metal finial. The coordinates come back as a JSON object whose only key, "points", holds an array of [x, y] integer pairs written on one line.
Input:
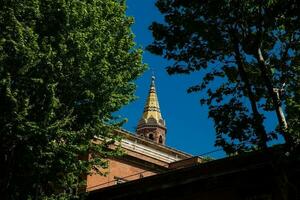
{"points": [[152, 77], [153, 74]]}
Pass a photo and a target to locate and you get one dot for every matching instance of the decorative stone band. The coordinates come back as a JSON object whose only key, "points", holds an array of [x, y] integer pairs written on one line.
{"points": [[151, 108], [147, 126], [148, 151]]}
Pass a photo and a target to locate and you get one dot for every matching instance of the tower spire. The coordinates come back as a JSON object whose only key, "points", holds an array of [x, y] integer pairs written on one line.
{"points": [[152, 125]]}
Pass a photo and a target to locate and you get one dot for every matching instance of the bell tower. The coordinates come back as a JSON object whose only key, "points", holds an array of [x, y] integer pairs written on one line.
{"points": [[152, 126]]}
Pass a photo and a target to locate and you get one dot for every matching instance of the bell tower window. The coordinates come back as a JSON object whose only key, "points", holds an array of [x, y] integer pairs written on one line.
{"points": [[160, 140], [151, 137]]}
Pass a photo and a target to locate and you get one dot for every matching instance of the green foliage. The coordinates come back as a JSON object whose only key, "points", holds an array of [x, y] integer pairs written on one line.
{"points": [[207, 159], [245, 49], [293, 104], [65, 66]]}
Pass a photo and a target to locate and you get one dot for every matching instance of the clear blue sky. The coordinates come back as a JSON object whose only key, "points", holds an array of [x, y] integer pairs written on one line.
{"points": [[189, 129]]}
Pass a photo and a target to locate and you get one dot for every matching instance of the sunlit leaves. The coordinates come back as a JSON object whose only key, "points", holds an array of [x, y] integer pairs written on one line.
{"points": [[65, 66]]}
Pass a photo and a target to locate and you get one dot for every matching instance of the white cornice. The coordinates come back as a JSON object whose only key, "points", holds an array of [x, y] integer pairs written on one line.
{"points": [[148, 151]]}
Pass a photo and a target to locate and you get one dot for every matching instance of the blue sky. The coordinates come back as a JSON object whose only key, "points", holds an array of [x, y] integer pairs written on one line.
{"points": [[189, 129]]}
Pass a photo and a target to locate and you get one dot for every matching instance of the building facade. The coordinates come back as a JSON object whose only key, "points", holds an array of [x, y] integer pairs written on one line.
{"points": [[260, 175]]}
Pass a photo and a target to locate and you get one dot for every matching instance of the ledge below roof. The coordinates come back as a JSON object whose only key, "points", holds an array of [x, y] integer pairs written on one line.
{"points": [[163, 148]]}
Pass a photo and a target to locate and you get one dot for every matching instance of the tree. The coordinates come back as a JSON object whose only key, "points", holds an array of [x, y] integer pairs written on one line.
{"points": [[65, 67], [248, 50], [293, 105]]}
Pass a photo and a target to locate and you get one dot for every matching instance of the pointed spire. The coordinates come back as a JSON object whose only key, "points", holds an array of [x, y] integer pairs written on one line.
{"points": [[152, 119], [151, 109]]}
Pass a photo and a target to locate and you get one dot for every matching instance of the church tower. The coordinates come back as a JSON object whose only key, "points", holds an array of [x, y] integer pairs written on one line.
{"points": [[152, 126]]}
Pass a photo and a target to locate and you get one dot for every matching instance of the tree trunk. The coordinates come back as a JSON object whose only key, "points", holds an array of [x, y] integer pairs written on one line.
{"points": [[276, 101], [258, 120]]}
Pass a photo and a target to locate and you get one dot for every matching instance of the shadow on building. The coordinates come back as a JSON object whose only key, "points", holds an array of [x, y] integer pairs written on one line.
{"points": [[267, 175]]}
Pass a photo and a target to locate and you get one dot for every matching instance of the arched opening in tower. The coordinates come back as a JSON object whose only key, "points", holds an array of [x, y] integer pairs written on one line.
{"points": [[160, 140], [151, 136]]}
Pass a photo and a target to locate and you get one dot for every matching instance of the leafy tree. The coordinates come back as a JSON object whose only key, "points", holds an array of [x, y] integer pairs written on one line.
{"points": [[293, 105], [248, 52], [65, 66]]}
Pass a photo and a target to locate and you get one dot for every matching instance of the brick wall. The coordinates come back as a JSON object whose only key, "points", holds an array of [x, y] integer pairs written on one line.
{"points": [[118, 171]]}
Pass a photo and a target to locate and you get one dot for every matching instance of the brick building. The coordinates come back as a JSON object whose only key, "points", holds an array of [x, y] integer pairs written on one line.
{"points": [[264, 175], [145, 152], [150, 170]]}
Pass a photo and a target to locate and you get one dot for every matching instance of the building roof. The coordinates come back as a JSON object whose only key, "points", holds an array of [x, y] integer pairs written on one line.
{"points": [[252, 175]]}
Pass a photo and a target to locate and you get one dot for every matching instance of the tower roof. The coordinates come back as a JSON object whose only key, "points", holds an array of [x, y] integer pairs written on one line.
{"points": [[152, 114]]}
